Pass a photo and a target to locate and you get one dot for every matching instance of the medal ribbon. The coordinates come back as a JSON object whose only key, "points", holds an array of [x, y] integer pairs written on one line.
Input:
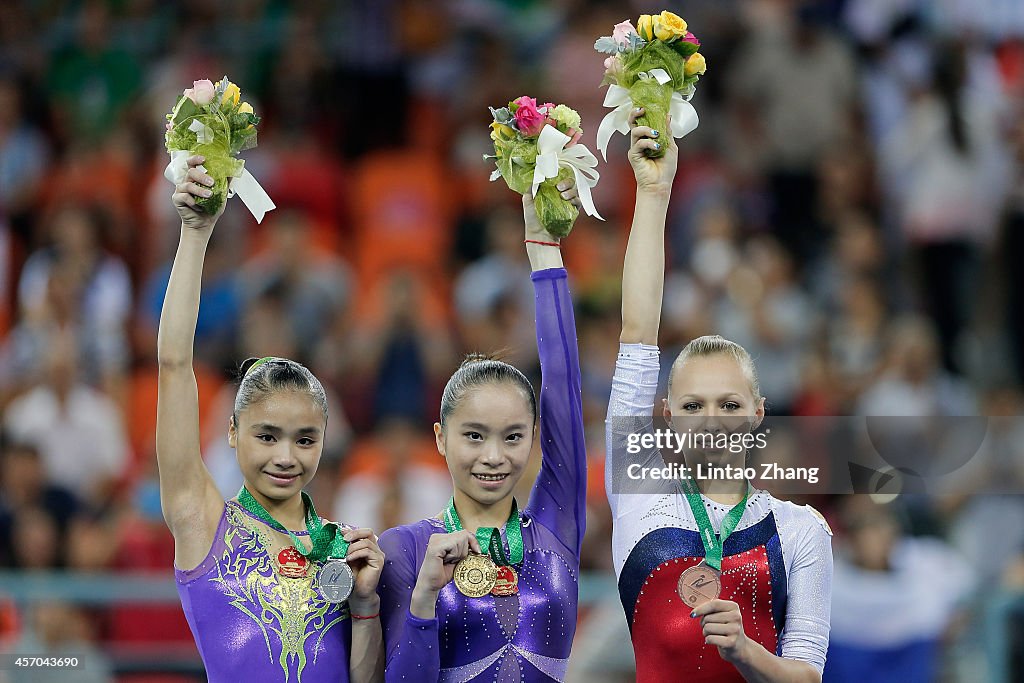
{"points": [[327, 539], [489, 537], [713, 545]]}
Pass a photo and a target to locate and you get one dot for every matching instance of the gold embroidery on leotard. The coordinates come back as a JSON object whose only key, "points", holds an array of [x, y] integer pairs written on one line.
{"points": [[292, 608]]}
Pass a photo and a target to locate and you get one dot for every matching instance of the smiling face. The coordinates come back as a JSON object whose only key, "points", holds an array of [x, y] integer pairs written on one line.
{"points": [[487, 440], [712, 396], [278, 441]]}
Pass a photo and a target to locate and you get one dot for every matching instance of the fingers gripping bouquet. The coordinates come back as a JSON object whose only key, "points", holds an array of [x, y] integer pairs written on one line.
{"points": [[213, 121], [655, 66], [536, 147]]}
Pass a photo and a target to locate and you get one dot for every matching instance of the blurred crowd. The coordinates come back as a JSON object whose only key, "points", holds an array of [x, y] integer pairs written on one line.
{"points": [[851, 210]]}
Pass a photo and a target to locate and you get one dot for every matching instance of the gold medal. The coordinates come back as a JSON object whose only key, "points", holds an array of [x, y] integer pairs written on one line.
{"points": [[699, 584], [475, 576]]}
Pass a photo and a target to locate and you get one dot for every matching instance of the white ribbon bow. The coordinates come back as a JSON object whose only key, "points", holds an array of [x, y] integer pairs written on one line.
{"points": [[552, 154], [245, 185], [684, 116]]}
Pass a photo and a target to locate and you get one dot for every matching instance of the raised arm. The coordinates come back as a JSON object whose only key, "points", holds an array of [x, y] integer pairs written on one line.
{"points": [[635, 383], [191, 504], [559, 498], [643, 272]]}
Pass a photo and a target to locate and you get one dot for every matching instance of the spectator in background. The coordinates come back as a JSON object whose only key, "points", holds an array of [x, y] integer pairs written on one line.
{"points": [[23, 484], [217, 328], [403, 345], [894, 597], [1011, 246], [855, 339], [393, 477], [61, 630], [492, 290], [948, 171], [73, 285], [767, 313], [91, 82], [78, 429], [35, 540], [24, 154], [913, 382], [801, 80], [311, 286]]}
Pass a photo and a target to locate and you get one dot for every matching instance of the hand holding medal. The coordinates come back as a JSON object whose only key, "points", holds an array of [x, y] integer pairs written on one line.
{"points": [[365, 561], [444, 553], [722, 625]]}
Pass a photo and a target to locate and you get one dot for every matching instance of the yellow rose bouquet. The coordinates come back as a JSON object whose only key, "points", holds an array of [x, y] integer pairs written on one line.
{"points": [[535, 148], [212, 120], [654, 65]]}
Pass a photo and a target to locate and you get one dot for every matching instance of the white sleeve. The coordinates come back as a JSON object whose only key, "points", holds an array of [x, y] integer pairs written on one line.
{"points": [[809, 605], [630, 411]]}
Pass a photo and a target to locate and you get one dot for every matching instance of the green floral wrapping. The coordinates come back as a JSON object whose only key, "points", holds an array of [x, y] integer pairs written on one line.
{"points": [[516, 159], [233, 131], [220, 166], [556, 214], [646, 92]]}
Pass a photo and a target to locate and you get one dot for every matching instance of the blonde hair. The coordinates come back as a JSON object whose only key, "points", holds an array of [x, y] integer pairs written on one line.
{"points": [[714, 345]]}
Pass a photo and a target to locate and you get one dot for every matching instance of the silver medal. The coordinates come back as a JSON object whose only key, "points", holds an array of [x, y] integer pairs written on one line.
{"points": [[336, 580]]}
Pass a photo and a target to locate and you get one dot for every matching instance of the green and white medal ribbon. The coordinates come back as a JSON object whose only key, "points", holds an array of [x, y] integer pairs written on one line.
{"points": [[702, 582], [489, 537], [328, 544], [713, 544]]}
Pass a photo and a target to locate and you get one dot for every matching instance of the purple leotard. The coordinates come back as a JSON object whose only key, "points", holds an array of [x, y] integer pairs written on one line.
{"points": [[524, 637], [251, 624]]}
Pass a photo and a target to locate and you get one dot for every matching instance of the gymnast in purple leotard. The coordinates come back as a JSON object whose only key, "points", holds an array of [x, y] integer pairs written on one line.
{"points": [[258, 576], [432, 631]]}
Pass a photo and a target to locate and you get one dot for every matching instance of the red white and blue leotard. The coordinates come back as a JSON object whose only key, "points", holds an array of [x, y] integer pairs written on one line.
{"points": [[777, 564]]}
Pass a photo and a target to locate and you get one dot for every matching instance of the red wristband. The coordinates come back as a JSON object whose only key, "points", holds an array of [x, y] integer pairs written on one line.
{"points": [[544, 244], [368, 616]]}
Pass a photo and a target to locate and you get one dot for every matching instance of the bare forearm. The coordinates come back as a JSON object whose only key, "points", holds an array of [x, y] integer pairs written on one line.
{"points": [[643, 272], [181, 302], [543, 257], [366, 657], [758, 665]]}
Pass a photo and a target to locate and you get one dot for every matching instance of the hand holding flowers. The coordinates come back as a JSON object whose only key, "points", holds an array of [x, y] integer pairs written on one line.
{"points": [[654, 66], [536, 148], [212, 121]]}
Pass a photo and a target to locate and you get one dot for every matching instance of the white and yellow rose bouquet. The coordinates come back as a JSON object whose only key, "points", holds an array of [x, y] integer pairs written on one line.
{"points": [[535, 148], [213, 121], [654, 65]]}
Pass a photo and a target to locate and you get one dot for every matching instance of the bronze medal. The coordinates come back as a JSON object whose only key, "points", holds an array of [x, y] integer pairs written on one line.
{"points": [[699, 584], [506, 584], [475, 576]]}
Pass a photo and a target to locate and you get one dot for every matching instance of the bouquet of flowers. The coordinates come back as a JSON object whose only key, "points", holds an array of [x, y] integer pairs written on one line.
{"points": [[212, 120], [535, 148], [655, 66]]}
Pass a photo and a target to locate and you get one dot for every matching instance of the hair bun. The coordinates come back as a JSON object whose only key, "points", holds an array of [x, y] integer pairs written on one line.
{"points": [[476, 358]]}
